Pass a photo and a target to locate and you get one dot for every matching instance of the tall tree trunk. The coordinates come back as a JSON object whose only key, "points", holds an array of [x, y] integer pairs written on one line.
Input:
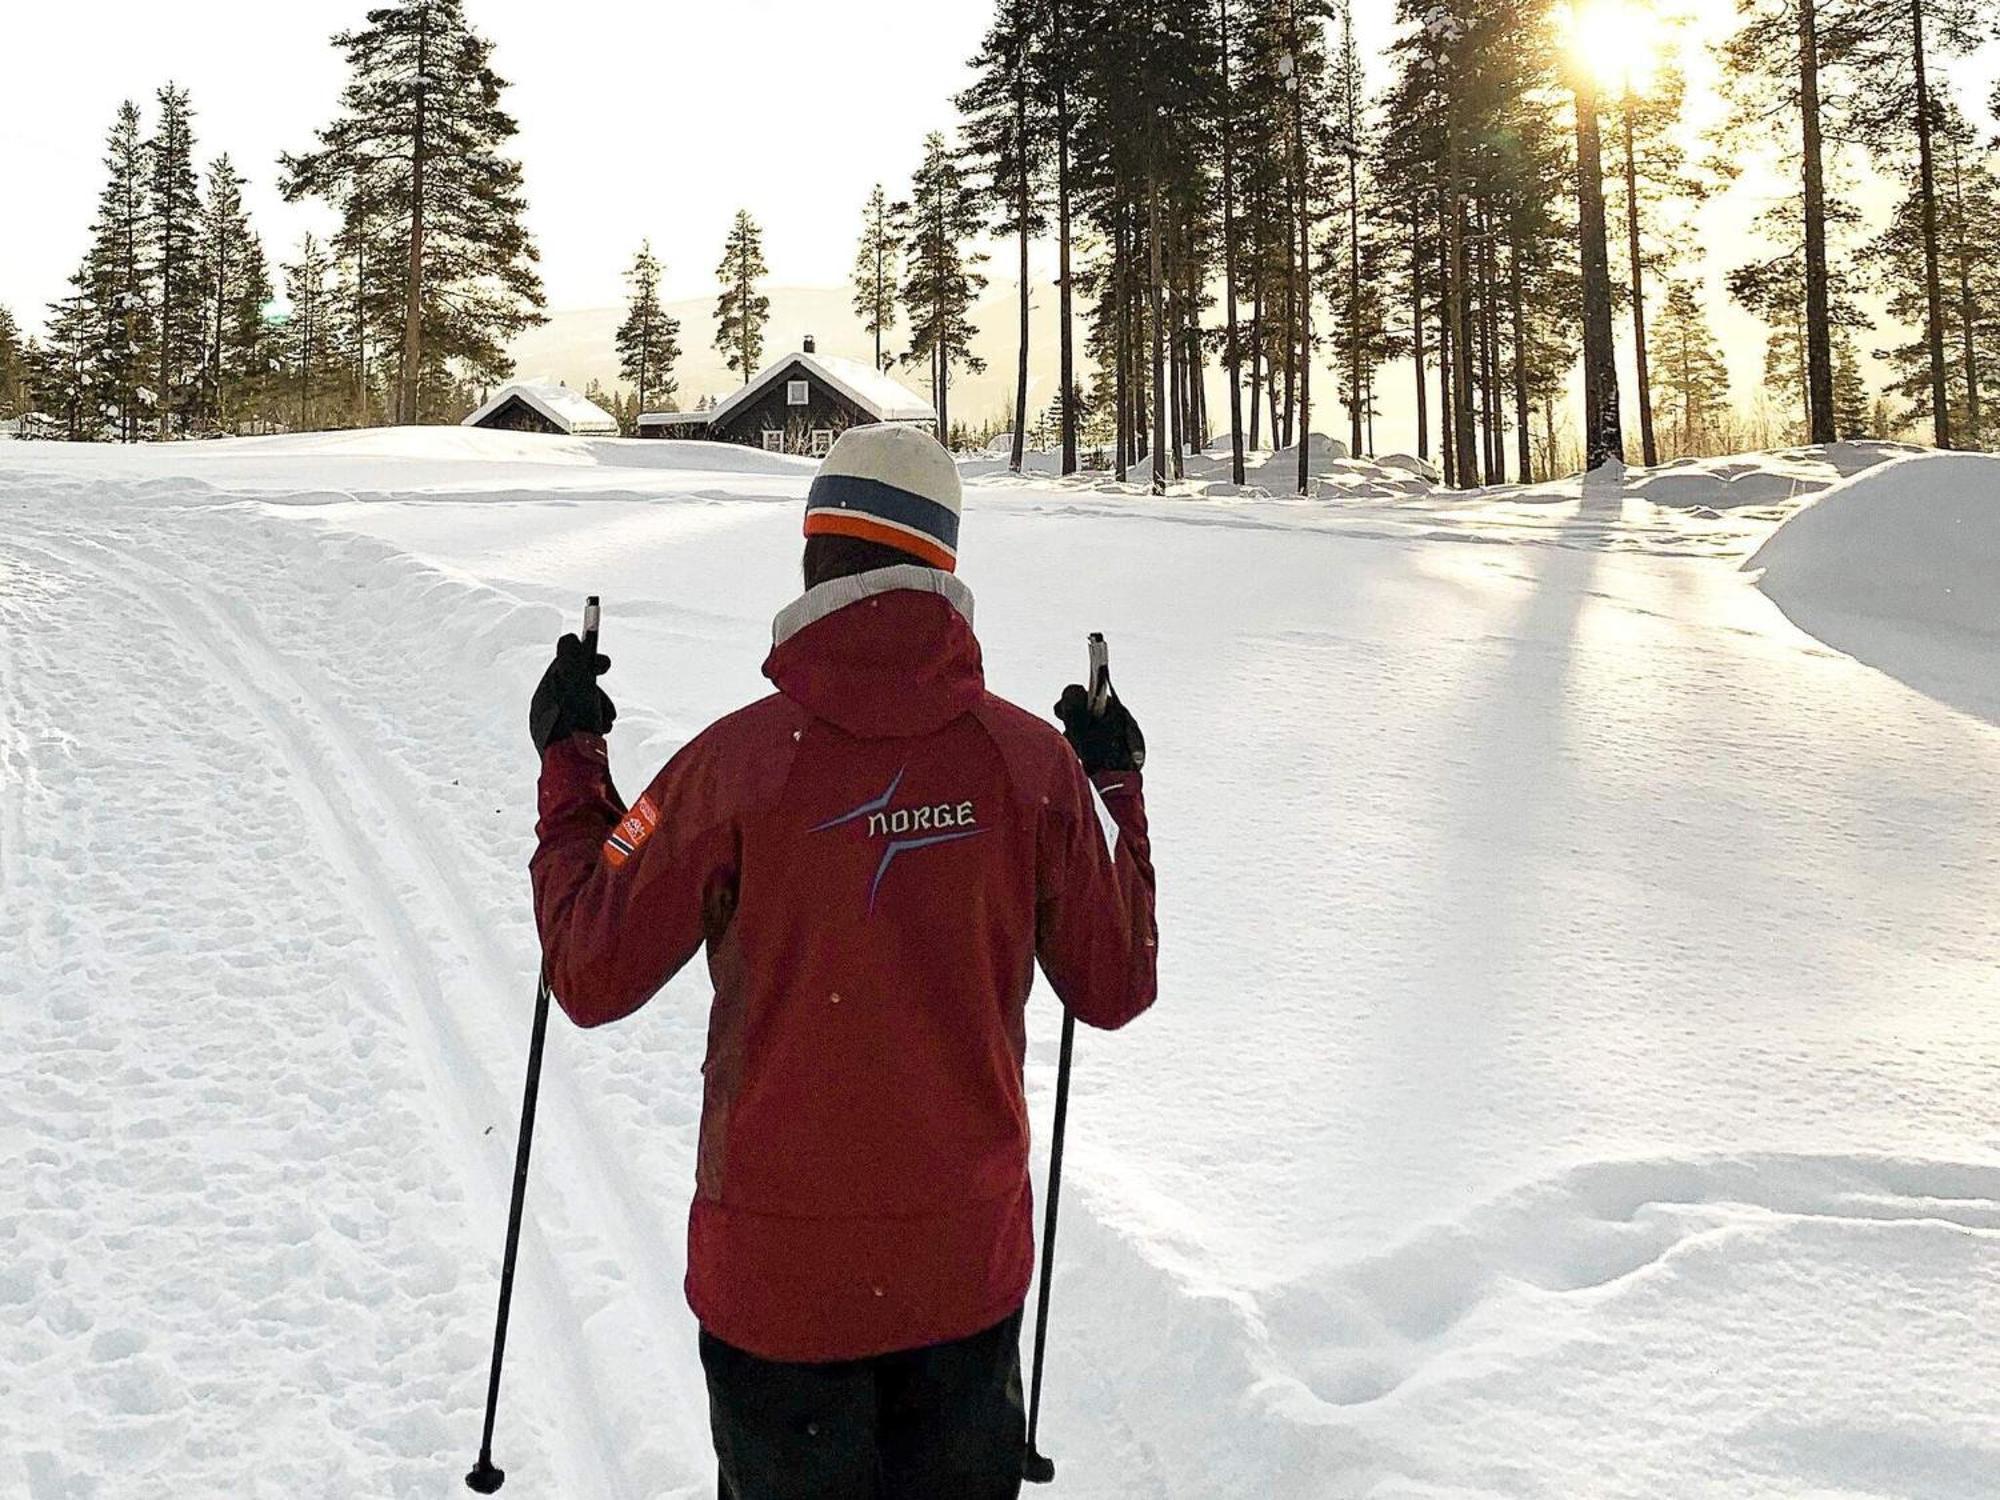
{"points": [[1121, 340], [1065, 336], [1927, 186], [1447, 361], [1517, 308], [1232, 353], [1968, 314], [1818, 347], [1304, 301], [360, 324], [1159, 330], [1603, 440], [1353, 282], [1648, 448], [1021, 213], [1256, 346], [413, 308], [1417, 329], [1463, 466]]}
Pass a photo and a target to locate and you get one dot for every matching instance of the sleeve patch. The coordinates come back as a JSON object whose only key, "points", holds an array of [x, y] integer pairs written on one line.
{"points": [[632, 831]]}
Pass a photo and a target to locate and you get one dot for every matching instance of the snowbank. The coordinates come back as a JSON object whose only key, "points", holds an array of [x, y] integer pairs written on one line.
{"points": [[1572, 1078], [1900, 567]]}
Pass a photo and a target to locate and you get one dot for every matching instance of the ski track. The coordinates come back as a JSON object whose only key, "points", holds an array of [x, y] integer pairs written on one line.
{"points": [[256, 676], [367, 829]]}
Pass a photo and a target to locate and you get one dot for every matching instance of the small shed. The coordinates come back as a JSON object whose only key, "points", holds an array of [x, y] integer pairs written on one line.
{"points": [[543, 406], [799, 405]]}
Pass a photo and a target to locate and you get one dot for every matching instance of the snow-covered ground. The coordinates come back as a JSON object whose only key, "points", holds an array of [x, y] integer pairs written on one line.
{"points": [[1577, 1066]]}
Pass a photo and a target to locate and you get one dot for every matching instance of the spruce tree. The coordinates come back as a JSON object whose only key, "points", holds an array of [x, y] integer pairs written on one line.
{"points": [[742, 311], [235, 285], [115, 282], [1851, 406], [65, 380], [1691, 378], [941, 280], [876, 271], [305, 334], [648, 339], [13, 368], [1004, 140], [418, 154], [174, 205]]}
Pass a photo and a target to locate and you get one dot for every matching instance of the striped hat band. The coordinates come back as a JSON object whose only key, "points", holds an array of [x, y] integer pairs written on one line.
{"points": [[856, 506]]}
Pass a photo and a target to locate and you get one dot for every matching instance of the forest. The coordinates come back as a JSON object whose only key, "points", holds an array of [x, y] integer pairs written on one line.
{"points": [[1253, 228]]}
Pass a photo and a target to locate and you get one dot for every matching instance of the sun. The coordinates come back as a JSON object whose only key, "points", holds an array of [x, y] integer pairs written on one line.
{"points": [[1619, 41]]}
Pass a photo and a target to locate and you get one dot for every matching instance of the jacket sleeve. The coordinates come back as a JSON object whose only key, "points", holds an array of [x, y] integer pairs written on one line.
{"points": [[624, 897], [1094, 930]]}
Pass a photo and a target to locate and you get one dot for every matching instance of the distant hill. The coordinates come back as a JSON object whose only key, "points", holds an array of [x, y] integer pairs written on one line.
{"points": [[575, 346]]}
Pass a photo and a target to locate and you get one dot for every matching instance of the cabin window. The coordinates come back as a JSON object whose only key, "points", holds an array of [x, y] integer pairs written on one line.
{"points": [[822, 441], [774, 440], [797, 392]]}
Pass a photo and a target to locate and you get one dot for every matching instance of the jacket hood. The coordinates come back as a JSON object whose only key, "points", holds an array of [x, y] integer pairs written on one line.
{"points": [[882, 655]]}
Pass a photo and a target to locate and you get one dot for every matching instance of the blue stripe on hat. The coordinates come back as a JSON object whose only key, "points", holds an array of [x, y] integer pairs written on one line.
{"points": [[872, 497]]}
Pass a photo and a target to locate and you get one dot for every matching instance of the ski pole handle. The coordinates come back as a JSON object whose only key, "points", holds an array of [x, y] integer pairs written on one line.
{"points": [[1100, 673], [590, 615]]}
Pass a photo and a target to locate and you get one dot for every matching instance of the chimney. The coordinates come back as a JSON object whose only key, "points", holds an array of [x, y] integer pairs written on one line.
{"points": [[809, 344]]}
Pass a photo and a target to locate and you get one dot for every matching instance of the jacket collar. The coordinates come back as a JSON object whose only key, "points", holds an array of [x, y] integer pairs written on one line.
{"points": [[815, 604]]}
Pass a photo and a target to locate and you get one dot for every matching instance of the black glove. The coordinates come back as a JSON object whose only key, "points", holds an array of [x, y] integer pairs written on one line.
{"points": [[568, 700], [1107, 741]]}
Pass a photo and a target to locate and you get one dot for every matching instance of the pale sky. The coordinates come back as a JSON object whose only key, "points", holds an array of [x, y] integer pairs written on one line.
{"points": [[638, 118]]}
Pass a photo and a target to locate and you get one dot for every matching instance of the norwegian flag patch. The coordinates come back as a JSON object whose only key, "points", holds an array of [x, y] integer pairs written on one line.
{"points": [[632, 831]]}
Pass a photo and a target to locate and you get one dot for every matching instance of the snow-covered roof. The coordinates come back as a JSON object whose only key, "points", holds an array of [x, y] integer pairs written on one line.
{"points": [[884, 399], [573, 412], [675, 418]]}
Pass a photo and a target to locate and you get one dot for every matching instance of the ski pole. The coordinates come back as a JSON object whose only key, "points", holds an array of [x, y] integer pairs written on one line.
{"points": [[1037, 1468], [484, 1478]]}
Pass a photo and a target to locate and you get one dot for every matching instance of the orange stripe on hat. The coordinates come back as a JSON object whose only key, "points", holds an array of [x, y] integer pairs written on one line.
{"points": [[888, 533]]}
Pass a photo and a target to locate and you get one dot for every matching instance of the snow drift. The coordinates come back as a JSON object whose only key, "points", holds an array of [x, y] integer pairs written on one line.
{"points": [[1900, 567], [1573, 1075]]}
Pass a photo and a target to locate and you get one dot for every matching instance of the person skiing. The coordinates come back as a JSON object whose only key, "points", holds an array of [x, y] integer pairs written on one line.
{"points": [[875, 856]]}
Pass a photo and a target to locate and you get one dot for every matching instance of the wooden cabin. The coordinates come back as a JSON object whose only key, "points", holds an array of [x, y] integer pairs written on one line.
{"points": [[799, 405], [543, 406]]}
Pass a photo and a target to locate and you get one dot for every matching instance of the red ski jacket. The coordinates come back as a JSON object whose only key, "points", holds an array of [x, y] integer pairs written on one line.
{"points": [[876, 855]]}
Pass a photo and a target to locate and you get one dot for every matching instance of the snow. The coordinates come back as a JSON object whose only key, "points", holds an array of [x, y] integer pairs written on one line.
{"points": [[1573, 1073], [885, 399], [577, 415]]}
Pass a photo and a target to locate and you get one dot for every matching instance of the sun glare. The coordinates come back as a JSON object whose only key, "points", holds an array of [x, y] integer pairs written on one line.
{"points": [[1618, 41]]}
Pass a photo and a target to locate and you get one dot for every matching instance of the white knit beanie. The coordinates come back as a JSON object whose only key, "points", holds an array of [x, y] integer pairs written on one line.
{"points": [[893, 485]]}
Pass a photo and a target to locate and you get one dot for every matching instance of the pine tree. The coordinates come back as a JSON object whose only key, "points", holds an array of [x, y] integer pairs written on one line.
{"points": [[940, 277], [234, 288], [1004, 140], [174, 226], [115, 284], [1965, 221], [1779, 290], [1691, 378], [1777, 58], [876, 271], [648, 339], [742, 311], [1654, 173], [1900, 108], [1603, 434], [417, 158], [305, 333]]}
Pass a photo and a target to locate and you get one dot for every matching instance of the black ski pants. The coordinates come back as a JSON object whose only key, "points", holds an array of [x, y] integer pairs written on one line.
{"points": [[938, 1423]]}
